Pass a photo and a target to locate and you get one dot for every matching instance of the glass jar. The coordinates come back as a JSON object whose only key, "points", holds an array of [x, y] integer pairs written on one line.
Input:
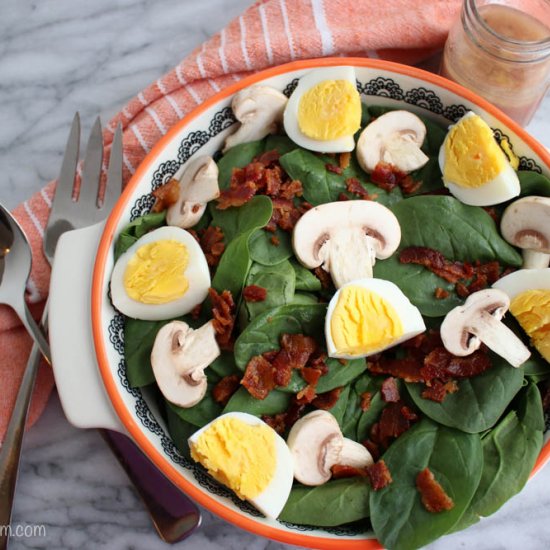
{"points": [[500, 49]]}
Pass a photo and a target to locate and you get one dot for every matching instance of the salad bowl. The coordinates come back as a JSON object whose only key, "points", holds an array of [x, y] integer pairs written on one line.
{"points": [[87, 333]]}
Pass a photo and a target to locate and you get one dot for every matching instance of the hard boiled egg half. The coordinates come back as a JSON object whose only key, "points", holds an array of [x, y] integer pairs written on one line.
{"points": [[529, 292], [324, 111], [163, 275], [367, 316], [475, 169], [245, 454]]}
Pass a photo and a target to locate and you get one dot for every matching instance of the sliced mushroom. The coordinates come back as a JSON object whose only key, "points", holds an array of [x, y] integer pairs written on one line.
{"points": [[317, 444], [345, 238], [394, 138], [198, 182], [479, 320], [259, 109], [526, 224], [179, 356]]}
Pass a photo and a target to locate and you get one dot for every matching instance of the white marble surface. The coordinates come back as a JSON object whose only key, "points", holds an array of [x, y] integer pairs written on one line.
{"points": [[57, 56]]}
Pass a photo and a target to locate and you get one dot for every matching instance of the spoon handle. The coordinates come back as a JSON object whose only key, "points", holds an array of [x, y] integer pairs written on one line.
{"points": [[10, 451], [33, 329]]}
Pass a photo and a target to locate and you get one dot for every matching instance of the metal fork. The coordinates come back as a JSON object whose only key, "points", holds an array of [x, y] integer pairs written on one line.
{"points": [[176, 517]]}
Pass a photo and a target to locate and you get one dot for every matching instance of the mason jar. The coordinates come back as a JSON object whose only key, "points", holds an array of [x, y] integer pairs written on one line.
{"points": [[500, 49]]}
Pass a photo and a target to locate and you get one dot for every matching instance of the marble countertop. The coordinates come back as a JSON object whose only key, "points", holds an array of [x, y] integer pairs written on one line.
{"points": [[59, 56]]}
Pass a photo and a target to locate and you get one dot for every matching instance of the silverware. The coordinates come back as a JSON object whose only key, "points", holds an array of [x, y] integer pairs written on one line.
{"points": [[174, 518], [15, 267]]}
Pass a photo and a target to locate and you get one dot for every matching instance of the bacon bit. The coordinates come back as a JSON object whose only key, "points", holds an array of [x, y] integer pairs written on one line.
{"points": [[311, 375], [283, 368], [435, 391], [307, 395], [196, 312], [344, 160], [323, 276], [259, 377], [353, 185], [340, 471], [407, 368], [441, 293], [211, 241], [327, 400], [291, 189], [166, 195], [334, 169], [298, 343], [275, 241], [433, 496], [236, 196], [294, 412], [343, 197], [389, 390], [269, 157], [391, 425], [342, 361], [493, 213], [372, 448], [409, 414], [366, 399], [462, 290], [223, 312], [409, 185], [285, 214], [194, 234], [254, 293], [439, 363], [225, 388], [277, 422], [385, 176], [379, 475]]}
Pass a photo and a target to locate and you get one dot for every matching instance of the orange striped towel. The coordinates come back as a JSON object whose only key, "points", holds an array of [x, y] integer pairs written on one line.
{"points": [[269, 33]]}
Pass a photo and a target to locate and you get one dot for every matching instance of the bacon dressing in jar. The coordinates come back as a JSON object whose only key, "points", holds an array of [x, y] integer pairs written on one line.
{"points": [[501, 51]]}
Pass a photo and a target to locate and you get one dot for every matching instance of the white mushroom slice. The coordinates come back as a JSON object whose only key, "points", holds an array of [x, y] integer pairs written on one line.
{"points": [[479, 320], [317, 444], [179, 356], [259, 109], [526, 224], [345, 238], [198, 181], [394, 138]]}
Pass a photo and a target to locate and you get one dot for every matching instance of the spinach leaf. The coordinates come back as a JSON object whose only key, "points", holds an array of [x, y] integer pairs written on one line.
{"points": [[264, 332], [276, 402], [399, 518], [279, 282], [136, 229], [281, 144], [235, 261], [529, 408], [263, 251], [334, 503], [305, 279], [458, 231], [235, 221], [179, 430], [479, 401], [339, 408], [237, 157], [202, 413], [224, 365], [352, 414], [139, 337], [533, 183], [370, 384], [304, 298]]}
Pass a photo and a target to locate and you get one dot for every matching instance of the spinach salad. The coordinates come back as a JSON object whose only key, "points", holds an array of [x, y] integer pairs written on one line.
{"points": [[480, 442]]}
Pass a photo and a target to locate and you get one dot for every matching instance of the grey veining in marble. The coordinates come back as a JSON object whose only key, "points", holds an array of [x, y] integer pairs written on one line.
{"points": [[58, 56]]}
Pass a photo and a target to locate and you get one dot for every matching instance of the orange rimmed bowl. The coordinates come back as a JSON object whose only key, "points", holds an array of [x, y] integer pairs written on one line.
{"points": [[102, 397]]}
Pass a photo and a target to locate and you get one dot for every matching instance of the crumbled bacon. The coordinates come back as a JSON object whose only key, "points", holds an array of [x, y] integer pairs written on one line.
{"points": [[277, 422], [439, 363], [236, 196], [391, 425], [409, 185], [254, 293], [344, 160], [283, 421], [259, 377], [353, 185], [291, 189], [283, 368], [334, 169], [441, 293], [223, 312], [275, 241], [225, 388], [327, 400], [307, 395], [389, 390], [166, 195], [340, 471], [299, 347], [407, 368], [379, 475], [311, 375], [269, 157], [211, 241], [387, 177], [462, 290], [366, 398], [196, 312], [433, 496], [373, 448], [437, 390], [323, 276]]}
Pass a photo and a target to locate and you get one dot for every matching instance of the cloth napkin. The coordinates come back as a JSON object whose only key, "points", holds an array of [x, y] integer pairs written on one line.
{"points": [[268, 33]]}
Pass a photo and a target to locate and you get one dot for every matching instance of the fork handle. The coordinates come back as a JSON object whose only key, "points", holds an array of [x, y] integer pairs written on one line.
{"points": [[10, 451], [36, 332]]}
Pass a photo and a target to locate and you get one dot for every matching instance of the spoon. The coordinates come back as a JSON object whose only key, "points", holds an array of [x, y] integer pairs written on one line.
{"points": [[15, 268]]}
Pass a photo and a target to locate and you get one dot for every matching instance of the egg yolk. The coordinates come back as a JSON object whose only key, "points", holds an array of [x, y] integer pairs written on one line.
{"points": [[532, 310], [363, 321], [330, 110], [472, 156], [155, 273], [237, 454]]}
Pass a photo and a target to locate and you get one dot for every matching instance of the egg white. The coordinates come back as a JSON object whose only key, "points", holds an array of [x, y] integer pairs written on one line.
{"points": [[410, 316], [524, 280], [503, 187], [197, 273], [272, 500], [290, 119]]}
